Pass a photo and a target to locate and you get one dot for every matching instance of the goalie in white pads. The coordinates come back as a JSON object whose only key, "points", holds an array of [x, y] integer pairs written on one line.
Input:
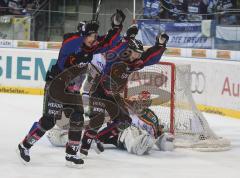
{"points": [[144, 132]]}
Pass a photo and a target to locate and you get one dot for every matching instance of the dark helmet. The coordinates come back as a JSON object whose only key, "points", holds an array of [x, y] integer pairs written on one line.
{"points": [[89, 28], [135, 45]]}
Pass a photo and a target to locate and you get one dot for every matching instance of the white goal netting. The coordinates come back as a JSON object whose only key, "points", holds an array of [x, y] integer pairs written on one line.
{"points": [[172, 101]]}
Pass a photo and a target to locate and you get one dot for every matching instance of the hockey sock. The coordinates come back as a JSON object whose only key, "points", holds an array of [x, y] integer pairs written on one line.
{"points": [[35, 133], [109, 135], [72, 147], [87, 139]]}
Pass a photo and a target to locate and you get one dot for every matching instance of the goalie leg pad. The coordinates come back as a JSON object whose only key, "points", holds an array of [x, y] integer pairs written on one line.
{"points": [[58, 137], [136, 141], [143, 144]]}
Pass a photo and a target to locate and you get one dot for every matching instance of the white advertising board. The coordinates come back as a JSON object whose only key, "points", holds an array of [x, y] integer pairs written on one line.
{"points": [[25, 67], [214, 83]]}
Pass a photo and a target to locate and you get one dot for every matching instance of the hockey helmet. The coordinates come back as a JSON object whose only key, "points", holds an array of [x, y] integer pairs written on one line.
{"points": [[135, 45], [81, 26], [90, 27]]}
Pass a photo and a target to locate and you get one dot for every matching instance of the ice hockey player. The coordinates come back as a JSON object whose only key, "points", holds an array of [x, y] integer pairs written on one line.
{"points": [[75, 51], [125, 58], [58, 135], [144, 132], [139, 138]]}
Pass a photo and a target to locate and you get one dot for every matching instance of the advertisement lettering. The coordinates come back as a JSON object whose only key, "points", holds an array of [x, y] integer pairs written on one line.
{"points": [[21, 68], [198, 83], [231, 89], [180, 34], [5, 43]]}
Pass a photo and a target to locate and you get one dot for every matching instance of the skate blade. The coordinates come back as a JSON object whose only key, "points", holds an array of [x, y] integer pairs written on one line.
{"points": [[72, 165], [20, 158]]}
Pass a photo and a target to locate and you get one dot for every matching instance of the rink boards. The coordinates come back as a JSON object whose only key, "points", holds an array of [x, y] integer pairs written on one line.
{"points": [[215, 83]]}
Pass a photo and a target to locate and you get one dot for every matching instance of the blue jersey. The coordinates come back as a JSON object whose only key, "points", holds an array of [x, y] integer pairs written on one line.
{"points": [[115, 74], [73, 50]]}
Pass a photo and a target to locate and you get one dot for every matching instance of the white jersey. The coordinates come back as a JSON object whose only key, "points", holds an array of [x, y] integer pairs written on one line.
{"points": [[95, 67], [140, 124], [98, 62]]}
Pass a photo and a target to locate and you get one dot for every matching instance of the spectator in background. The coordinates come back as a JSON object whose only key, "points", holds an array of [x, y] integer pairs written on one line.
{"points": [[15, 7], [3, 7], [18, 7], [214, 6], [219, 5], [152, 8], [227, 18], [174, 9], [195, 9]]}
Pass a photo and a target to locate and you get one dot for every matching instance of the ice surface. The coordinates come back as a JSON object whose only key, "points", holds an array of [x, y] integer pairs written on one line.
{"points": [[18, 112]]}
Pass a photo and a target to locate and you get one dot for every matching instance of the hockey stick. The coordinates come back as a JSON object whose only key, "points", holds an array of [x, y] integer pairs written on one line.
{"points": [[98, 10]]}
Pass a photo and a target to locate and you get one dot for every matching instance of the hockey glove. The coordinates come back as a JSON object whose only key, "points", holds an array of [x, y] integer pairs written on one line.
{"points": [[165, 142], [162, 39], [132, 32], [118, 18]]}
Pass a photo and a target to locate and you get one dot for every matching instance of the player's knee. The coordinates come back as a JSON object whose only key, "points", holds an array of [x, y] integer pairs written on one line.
{"points": [[76, 121], [47, 122], [96, 123]]}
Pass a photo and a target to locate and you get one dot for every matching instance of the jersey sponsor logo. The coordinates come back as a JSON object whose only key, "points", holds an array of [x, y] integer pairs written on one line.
{"points": [[124, 76], [98, 103], [55, 105], [53, 112], [101, 110], [198, 82]]}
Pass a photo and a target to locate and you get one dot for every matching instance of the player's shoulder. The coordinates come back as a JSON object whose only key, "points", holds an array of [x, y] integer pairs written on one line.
{"points": [[68, 36], [148, 110], [150, 114], [72, 39]]}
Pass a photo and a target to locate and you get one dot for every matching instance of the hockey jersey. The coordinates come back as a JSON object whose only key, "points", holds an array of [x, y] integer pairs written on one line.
{"points": [[115, 74], [148, 121]]}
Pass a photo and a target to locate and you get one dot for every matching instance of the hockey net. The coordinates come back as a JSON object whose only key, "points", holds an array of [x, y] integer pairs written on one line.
{"points": [[172, 101]]}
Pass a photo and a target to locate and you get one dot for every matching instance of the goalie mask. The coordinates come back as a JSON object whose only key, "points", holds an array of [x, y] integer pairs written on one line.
{"points": [[144, 99]]}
